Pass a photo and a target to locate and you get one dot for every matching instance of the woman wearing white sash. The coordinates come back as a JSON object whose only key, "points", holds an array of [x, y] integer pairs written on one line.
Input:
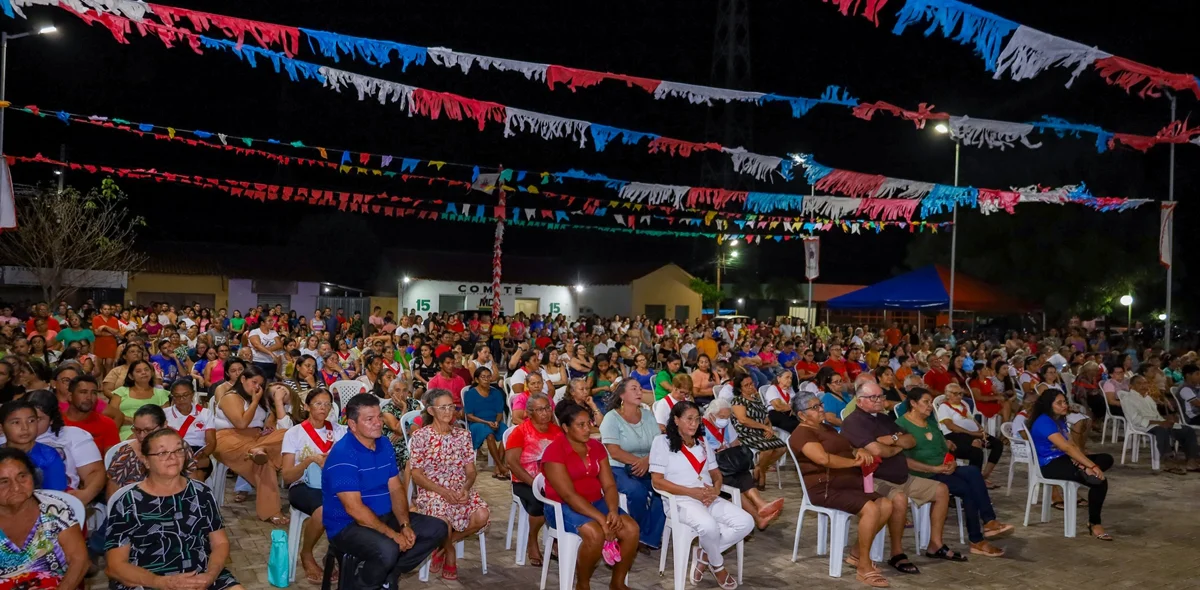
{"points": [[683, 465], [303, 455]]}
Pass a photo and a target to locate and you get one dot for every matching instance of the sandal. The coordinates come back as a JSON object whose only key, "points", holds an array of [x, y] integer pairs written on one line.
{"points": [[1101, 536], [730, 582], [986, 549], [280, 520], [1176, 471], [900, 563], [946, 553], [873, 579], [998, 529], [1057, 505], [241, 497], [450, 572], [312, 572], [436, 561], [850, 560], [697, 574]]}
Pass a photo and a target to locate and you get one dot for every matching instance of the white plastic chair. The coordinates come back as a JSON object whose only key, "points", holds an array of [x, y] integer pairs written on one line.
{"points": [[923, 528], [1070, 492], [828, 520], [112, 451], [345, 389], [216, 479], [295, 532], [684, 537], [1182, 410], [519, 518], [459, 547], [1117, 421], [568, 543], [121, 492], [1133, 439], [1018, 455], [406, 422], [78, 512]]}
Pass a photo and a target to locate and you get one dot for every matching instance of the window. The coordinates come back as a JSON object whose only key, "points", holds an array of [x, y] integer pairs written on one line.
{"points": [[656, 312], [682, 313]]}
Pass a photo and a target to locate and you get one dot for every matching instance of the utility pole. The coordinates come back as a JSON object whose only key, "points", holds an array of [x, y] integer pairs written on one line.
{"points": [[62, 172]]}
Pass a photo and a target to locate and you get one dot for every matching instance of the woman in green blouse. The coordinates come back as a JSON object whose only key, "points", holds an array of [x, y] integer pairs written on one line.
{"points": [[931, 458]]}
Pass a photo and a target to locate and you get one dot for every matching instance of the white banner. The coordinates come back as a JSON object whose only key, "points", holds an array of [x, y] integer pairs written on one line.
{"points": [[812, 257], [1166, 231]]}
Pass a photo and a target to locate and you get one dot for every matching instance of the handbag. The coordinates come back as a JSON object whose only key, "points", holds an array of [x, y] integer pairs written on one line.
{"points": [[735, 460], [278, 562]]}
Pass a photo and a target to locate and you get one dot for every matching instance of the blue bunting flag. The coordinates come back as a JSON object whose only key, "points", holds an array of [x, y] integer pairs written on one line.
{"points": [[983, 29]]}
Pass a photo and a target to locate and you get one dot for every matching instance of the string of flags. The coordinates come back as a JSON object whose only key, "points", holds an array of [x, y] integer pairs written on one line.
{"points": [[971, 131], [939, 198], [1028, 52], [884, 202], [434, 209]]}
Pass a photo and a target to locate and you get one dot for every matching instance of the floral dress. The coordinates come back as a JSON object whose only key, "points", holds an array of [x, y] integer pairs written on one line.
{"points": [[397, 438], [753, 437], [40, 562], [444, 459]]}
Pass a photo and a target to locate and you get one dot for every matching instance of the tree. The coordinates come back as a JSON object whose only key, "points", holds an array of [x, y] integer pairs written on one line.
{"points": [[1064, 259], [709, 294], [782, 289], [64, 235]]}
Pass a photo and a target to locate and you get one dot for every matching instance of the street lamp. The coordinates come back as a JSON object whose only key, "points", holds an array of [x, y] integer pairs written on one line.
{"points": [[579, 288], [407, 280], [943, 129], [1127, 301], [1162, 317], [741, 301], [4, 37], [723, 260]]}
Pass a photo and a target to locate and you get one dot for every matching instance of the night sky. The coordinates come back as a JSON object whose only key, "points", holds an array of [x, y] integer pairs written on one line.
{"points": [[798, 48]]}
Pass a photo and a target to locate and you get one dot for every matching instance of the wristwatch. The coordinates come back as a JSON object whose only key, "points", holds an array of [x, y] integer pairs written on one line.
{"points": [[403, 526]]}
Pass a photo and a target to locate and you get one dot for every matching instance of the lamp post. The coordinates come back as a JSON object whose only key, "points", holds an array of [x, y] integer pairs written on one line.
{"points": [[723, 259], [944, 129], [4, 37], [1127, 301]]}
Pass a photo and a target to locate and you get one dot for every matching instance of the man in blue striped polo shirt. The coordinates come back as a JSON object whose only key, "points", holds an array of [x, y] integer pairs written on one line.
{"points": [[365, 504]]}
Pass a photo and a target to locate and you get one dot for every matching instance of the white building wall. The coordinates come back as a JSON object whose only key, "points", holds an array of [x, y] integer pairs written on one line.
{"points": [[424, 297], [606, 300]]}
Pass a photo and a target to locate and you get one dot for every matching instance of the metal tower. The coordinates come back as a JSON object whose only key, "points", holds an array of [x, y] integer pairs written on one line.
{"points": [[731, 124]]}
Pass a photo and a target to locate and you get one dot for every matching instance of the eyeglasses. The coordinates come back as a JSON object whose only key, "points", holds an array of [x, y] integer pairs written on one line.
{"points": [[443, 408], [871, 398], [539, 410], [138, 431], [325, 405], [163, 455]]}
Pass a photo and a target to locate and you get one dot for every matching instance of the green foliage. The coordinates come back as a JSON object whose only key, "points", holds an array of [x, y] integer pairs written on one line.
{"points": [[782, 288], [709, 294]]}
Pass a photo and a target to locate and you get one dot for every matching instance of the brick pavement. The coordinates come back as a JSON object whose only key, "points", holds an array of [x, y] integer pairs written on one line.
{"points": [[1154, 517]]}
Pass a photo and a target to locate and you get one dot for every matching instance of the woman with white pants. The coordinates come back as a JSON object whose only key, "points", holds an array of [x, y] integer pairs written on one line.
{"points": [[683, 465]]}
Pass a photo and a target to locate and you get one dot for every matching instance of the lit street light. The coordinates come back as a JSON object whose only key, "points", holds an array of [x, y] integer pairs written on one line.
{"points": [[579, 288], [1162, 317], [941, 128], [407, 280], [1127, 301], [741, 301], [4, 37]]}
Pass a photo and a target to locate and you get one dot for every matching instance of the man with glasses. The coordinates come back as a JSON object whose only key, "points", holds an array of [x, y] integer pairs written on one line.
{"points": [[81, 411], [870, 427], [365, 506]]}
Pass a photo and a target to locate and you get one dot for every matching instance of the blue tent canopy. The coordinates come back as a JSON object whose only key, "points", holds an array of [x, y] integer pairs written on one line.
{"points": [[927, 288]]}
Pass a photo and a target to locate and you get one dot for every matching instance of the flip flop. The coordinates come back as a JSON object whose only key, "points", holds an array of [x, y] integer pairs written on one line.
{"points": [[1101, 536], [450, 573], [436, 561], [873, 579]]}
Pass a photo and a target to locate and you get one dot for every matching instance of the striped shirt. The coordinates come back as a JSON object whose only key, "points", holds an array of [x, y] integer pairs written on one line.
{"points": [[351, 467]]}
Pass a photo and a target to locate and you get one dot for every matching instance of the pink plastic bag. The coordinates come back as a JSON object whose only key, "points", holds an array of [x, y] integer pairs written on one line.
{"points": [[611, 552]]}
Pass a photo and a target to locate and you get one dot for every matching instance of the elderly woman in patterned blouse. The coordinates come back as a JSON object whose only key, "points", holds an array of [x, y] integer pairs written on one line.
{"points": [[52, 553]]}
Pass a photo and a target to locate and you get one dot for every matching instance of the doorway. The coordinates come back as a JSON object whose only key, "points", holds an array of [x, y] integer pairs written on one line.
{"points": [[528, 307]]}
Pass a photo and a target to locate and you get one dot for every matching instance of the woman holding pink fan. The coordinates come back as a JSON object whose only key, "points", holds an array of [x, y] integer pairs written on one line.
{"points": [[578, 476]]}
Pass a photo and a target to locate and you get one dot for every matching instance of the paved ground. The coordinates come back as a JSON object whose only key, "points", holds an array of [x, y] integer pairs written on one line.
{"points": [[1154, 517]]}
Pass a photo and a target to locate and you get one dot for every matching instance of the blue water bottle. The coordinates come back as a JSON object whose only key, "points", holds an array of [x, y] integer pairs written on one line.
{"points": [[277, 568]]}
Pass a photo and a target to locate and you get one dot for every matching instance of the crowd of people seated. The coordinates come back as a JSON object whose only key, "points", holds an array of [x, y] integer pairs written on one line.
{"points": [[131, 405]]}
